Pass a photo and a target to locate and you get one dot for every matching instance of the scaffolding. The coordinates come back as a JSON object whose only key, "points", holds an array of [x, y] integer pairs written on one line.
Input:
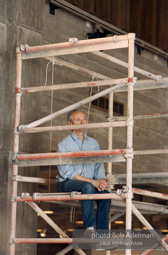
{"points": [[110, 155]]}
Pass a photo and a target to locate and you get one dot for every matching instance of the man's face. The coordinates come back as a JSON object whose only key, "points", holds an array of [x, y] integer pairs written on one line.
{"points": [[77, 119]]}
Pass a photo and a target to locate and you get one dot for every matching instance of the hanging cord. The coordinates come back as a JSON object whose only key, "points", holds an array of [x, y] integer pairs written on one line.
{"points": [[72, 213], [91, 90], [47, 72], [51, 110]]}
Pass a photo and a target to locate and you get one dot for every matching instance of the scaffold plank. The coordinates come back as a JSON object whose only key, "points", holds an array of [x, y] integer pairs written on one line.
{"points": [[141, 178], [74, 46], [144, 178], [67, 197], [42, 159]]}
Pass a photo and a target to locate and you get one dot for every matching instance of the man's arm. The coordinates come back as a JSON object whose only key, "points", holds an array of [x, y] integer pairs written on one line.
{"points": [[67, 171]]}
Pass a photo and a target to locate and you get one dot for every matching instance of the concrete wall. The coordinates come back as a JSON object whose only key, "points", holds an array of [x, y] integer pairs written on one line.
{"points": [[24, 22]]}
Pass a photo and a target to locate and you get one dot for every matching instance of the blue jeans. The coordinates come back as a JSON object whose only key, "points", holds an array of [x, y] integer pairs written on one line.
{"points": [[103, 205]]}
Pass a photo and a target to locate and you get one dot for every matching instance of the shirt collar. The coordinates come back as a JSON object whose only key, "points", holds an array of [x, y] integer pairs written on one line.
{"points": [[75, 137]]}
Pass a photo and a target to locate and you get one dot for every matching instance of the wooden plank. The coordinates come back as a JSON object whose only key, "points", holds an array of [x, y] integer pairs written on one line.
{"points": [[128, 16], [89, 6], [154, 22], [162, 13], [67, 161]]}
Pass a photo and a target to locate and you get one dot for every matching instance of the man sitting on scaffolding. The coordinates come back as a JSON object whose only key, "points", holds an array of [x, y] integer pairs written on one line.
{"points": [[87, 178]]}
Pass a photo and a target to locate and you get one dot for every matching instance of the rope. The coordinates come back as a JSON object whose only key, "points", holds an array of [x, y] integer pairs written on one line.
{"points": [[51, 110], [91, 90]]}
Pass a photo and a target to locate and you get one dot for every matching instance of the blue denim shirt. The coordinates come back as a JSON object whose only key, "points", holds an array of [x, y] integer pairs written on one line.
{"points": [[90, 170]]}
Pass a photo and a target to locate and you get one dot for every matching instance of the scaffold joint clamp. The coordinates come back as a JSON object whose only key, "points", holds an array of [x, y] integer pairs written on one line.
{"points": [[130, 123], [21, 128], [11, 240], [14, 159], [13, 199], [131, 81], [25, 194], [129, 153], [72, 41], [35, 195], [73, 193], [17, 178]]}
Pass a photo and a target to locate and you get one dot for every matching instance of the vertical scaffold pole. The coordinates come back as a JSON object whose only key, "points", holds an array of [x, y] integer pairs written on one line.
{"points": [[129, 154], [15, 150], [110, 132], [110, 142]]}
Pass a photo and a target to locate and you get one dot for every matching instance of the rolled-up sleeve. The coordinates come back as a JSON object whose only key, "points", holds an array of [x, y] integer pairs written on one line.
{"points": [[99, 171], [67, 171]]}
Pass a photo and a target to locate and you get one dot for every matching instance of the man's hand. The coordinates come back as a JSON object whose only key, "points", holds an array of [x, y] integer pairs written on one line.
{"points": [[101, 184]]}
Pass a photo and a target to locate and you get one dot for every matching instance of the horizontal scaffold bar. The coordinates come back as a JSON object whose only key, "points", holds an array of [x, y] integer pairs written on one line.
{"points": [[72, 127], [144, 178], [140, 85], [124, 64], [67, 197], [141, 178], [74, 85], [119, 206], [73, 106], [150, 193], [148, 152], [147, 84], [69, 157], [141, 117], [78, 68], [42, 240], [57, 240], [74, 46]]}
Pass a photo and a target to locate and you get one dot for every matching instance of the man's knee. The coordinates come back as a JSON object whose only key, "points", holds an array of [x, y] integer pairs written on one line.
{"points": [[88, 188]]}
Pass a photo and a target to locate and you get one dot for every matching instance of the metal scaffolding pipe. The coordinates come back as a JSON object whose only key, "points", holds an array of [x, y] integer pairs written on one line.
{"points": [[154, 178], [87, 84], [24, 160], [124, 64], [116, 216], [143, 206], [147, 84], [66, 250], [42, 240], [110, 133], [77, 68], [154, 247], [71, 127], [47, 219], [149, 227], [150, 193], [52, 223], [57, 240], [144, 116], [69, 154], [67, 197], [15, 149], [130, 134], [152, 152], [119, 206], [140, 85], [74, 46], [72, 107], [67, 161]]}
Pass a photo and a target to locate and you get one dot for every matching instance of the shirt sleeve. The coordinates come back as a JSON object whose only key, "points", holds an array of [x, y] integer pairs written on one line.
{"points": [[67, 171], [99, 171]]}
